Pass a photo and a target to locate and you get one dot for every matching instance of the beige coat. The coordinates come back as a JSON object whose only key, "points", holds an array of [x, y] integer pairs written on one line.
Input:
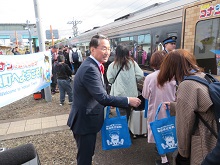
{"points": [[193, 96]]}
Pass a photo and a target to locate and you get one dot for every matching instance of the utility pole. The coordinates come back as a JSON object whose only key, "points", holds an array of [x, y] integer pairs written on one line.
{"points": [[51, 32], [75, 28], [41, 38], [16, 39], [30, 38]]}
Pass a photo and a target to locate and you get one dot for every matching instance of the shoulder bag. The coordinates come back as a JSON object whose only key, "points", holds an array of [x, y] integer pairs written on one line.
{"points": [[110, 84]]}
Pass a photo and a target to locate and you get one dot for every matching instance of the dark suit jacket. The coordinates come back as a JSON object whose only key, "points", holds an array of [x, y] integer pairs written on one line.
{"points": [[89, 99], [213, 158]]}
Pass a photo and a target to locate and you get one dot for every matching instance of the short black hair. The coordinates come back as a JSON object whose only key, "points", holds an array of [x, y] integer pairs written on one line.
{"points": [[60, 58], [95, 40]]}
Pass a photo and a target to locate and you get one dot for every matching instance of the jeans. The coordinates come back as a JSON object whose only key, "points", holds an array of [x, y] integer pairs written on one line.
{"points": [[64, 86]]}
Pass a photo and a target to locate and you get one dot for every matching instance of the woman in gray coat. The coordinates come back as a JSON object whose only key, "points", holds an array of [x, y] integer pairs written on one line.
{"points": [[126, 82]]}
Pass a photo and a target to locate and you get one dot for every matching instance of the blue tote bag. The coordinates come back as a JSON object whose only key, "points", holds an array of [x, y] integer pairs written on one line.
{"points": [[115, 133], [164, 132], [146, 108]]}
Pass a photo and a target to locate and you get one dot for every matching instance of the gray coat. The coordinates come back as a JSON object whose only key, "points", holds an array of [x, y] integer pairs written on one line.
{"points": [[126, 81]]}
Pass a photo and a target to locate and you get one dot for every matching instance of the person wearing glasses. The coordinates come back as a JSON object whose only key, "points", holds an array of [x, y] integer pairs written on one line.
{"points": [[169, 44], [90, 97]]}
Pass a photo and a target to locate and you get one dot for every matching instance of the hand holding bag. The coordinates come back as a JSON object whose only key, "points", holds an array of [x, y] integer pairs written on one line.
{"points": [[164, 132], [115, 133]]}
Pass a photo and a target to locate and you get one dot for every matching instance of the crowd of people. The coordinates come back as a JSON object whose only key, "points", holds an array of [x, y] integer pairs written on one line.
{"points": [[166, 84], [63, 67]]}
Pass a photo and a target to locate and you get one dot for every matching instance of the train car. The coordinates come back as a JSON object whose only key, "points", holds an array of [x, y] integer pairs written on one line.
{"points": [[201, 34], [147, 28], [194, 22]]}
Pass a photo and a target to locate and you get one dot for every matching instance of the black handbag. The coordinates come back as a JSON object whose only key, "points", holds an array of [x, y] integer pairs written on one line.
{"points": [[181, 160], [109, 85]]}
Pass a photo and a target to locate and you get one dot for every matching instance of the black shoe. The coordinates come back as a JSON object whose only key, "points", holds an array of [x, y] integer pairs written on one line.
{"points": [[159, 162], [134, 137]]}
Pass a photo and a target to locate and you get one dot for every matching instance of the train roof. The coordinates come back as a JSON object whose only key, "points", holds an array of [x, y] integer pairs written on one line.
{"points": [[147, 12]]}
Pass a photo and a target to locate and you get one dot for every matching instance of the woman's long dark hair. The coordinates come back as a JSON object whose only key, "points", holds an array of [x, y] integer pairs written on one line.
{"points": [[177, 64], [122, 57]]}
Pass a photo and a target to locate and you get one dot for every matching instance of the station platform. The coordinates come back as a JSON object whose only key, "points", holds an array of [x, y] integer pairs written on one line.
{"points": [[10, 129]]}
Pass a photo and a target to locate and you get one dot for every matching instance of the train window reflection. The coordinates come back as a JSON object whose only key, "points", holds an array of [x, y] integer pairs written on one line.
{"points": [[144, 39], [142, 50], [125, 39], [207, 45]]}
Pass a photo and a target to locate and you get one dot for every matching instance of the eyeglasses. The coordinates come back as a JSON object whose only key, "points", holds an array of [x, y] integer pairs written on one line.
{"points": [[104, 49]]}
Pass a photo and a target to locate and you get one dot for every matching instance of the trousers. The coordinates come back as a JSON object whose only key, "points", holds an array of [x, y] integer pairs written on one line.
{"points": [[86, 148]]}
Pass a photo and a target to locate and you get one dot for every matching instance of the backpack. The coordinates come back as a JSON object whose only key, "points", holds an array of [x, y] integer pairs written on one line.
{"points": [[75, 56], [214, 91]]}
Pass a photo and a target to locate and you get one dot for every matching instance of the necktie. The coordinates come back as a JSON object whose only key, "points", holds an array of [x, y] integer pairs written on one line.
{"points": [[101, 66]]}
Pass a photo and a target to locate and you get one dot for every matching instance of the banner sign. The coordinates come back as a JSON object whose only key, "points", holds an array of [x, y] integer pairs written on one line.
{"points": [[208, 10], [22, 75]]}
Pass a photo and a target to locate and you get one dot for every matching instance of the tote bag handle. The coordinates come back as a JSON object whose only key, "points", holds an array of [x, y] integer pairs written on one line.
{"points": [[108, 111], [158, 110]]}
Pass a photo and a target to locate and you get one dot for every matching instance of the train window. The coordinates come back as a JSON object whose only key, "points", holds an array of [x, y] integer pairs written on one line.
{"points": [[125, 39], [144, 39], [207, 45], [143, 48], [114, 42], [172, 34]]}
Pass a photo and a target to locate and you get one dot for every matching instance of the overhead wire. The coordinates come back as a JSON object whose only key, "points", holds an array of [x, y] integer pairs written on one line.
{"points": [[141, 6], [122, 10], [95, 24], [88, 14], [90, 11]]}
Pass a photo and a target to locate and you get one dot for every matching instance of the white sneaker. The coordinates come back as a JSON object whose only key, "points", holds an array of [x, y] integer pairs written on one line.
{"points": [[70, 103]]}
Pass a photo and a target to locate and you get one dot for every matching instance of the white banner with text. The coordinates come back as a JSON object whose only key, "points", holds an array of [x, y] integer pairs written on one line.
{"points": [[22, 75]]}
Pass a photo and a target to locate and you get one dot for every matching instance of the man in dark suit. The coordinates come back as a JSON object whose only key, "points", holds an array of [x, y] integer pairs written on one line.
{"points": [[89, 99]]}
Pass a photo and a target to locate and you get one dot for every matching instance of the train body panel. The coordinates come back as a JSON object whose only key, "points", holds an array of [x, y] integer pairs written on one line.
{"points": [[201, 35], [157, 16]]}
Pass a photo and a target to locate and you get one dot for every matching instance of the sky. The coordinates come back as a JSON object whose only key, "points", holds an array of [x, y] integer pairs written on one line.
{"points": [[91, 13]]}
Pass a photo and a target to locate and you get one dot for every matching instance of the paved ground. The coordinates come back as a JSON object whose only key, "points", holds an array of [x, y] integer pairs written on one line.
{"points": [[19, 128], [140, 153]]}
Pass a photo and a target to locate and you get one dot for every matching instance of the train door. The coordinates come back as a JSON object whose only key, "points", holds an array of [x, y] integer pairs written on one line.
{"points": [[207, 44], [201, 34]]}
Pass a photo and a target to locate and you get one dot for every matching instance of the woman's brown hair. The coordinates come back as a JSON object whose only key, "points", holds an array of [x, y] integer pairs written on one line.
{"points": [[157, 59], [177, 64]]}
